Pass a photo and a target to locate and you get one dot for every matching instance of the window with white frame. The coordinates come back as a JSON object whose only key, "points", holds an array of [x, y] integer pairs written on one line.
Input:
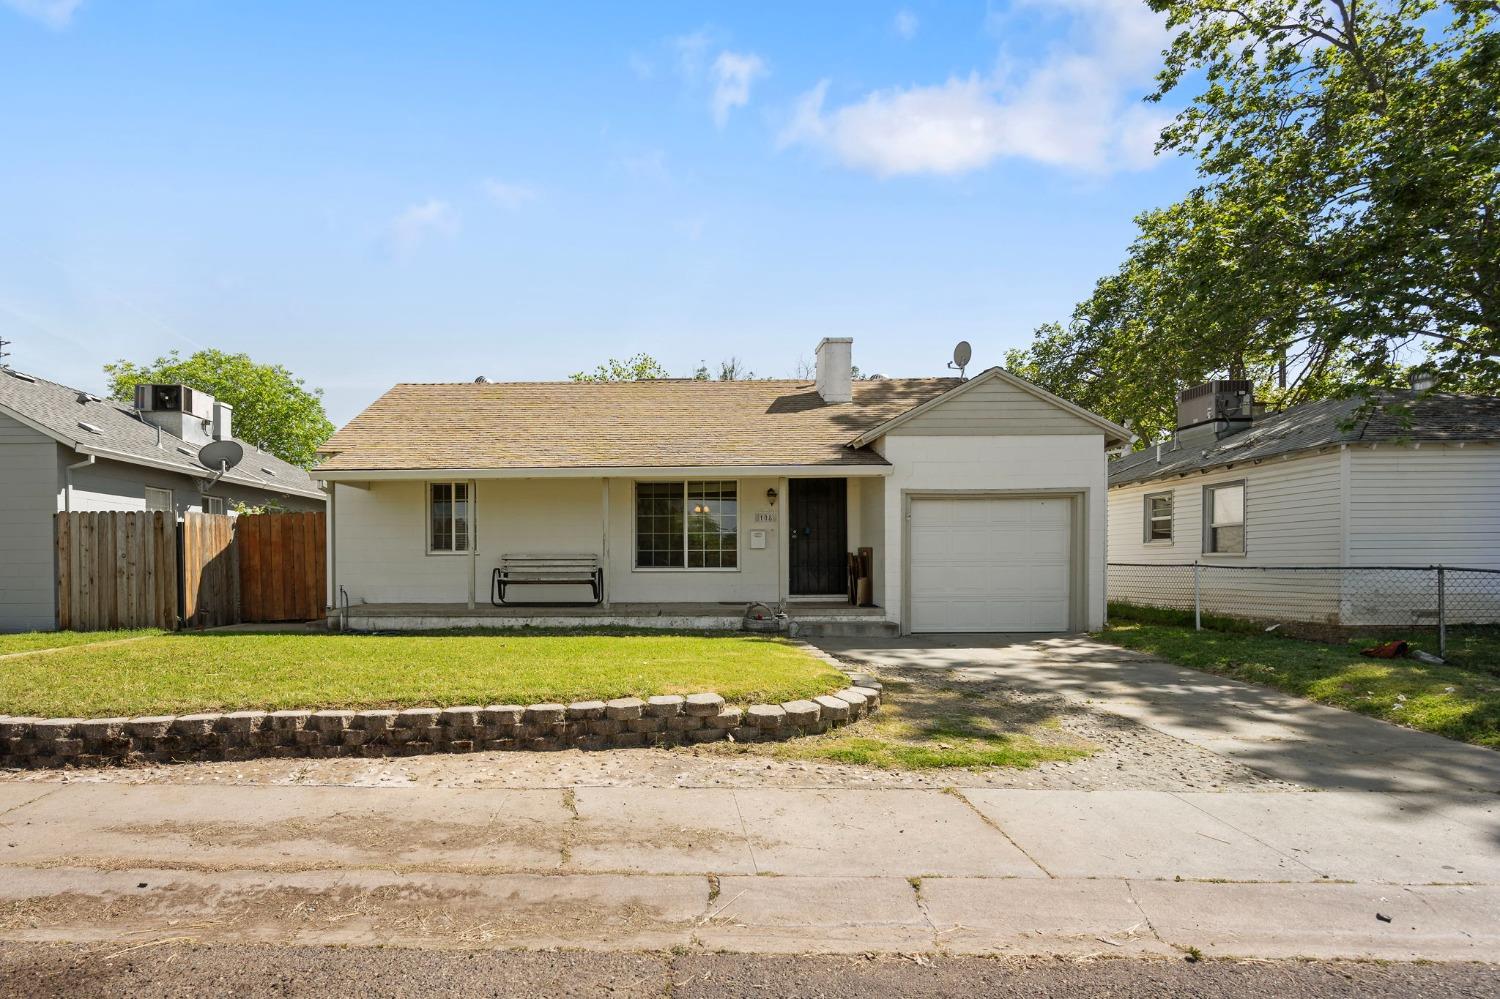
{"points": [[450, 511], [1224, 518], [159, 500], [1158, 517], [687, 525], [213, 504]]}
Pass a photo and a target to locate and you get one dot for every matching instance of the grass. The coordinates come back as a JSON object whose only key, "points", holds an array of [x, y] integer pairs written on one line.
{"points": [[1459, 702], [174, 674], [936, 725], [33, 641]]}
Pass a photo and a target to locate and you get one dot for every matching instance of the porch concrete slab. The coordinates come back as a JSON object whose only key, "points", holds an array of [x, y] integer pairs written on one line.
{"points": [[1355, 836], [1131, 834], [1026, 916], [356, 908], [658, 831], [820, 915], [291, 826], [901, 833], [1326, 920]]}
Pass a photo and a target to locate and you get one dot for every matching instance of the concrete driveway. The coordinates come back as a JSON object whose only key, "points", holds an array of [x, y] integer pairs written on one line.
{"points": [[1349, 838]]}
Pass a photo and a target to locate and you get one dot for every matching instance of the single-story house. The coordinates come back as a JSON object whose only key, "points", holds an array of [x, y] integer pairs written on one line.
{"points": [[981, 500], [1413, 482], [62, 449]]}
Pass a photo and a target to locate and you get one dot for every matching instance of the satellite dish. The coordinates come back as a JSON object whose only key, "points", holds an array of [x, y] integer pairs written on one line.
{"points": [[962, 354], [220, 456]]}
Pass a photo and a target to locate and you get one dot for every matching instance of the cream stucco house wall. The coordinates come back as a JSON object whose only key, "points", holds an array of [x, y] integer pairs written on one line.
{"points": [[982, 501]]}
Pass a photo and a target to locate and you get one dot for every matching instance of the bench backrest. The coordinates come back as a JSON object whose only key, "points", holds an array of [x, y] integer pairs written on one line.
{"points": [[549, 562]]}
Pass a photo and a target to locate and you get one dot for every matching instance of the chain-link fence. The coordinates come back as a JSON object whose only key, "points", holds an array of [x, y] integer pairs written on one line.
{"points": [[1317, 601]]}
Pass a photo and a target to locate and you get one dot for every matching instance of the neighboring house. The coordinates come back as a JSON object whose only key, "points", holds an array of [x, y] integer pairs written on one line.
{"points": [[1416, 482], [62, 449], [982, 500]]}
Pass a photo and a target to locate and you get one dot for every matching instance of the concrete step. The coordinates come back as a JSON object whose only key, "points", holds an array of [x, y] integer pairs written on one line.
{"points": [[848, 627]]}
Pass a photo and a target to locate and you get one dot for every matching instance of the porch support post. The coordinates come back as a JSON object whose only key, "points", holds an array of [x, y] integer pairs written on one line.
{"points": [[604, 540], [473, 537]]}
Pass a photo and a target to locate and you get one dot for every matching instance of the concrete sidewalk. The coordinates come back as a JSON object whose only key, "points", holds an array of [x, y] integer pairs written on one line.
{"points": [[977, 871]]}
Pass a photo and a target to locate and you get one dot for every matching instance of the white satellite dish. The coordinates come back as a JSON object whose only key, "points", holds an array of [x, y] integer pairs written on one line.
{"points": [[962, 355]]}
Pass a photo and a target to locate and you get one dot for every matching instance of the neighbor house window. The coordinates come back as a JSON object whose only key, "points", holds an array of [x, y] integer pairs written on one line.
{"points": [[686, 525], [213, 504], [159, 500], [1158, 517], [1224, 514], [449, 513]]}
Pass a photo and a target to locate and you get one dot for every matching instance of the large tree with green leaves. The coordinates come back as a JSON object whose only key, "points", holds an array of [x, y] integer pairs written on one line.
{"points": [[1345, 225], [639, 367], [273, 409]]}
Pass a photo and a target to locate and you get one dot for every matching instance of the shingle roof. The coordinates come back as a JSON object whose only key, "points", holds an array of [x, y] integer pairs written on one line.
{"points": [[94, 424], [660, 423], [1433, 417]]}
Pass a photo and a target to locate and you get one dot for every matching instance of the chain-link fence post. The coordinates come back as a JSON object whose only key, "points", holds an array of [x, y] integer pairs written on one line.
{"points": [[1198, 600], [1442, 616]]}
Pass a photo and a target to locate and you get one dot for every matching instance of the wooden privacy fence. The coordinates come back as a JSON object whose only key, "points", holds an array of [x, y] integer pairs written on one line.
{"points": [[140, 570], [283, 571], [210, 577], [116, 570]]}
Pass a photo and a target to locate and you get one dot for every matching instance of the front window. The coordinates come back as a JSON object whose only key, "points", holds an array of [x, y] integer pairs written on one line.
{"points": [[1225, 509], [449, 511], [1159, 517], [159, 500], [213, 504], [686, 525]]}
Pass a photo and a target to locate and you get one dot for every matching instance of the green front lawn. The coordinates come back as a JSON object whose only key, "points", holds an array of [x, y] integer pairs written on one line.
{"points": [[32, 641], [190, 672], [1459, 702]]}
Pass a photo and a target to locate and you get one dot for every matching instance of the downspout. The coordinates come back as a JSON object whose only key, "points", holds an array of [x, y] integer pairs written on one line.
{"points": [[68, 482], [333, 547]]}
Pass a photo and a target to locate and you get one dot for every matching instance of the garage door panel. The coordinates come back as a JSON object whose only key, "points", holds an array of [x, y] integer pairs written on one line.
{"points": [[990, 564]]}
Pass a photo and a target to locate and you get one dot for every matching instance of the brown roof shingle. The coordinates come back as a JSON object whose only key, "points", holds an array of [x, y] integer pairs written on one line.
{"points": [[663, 423]]}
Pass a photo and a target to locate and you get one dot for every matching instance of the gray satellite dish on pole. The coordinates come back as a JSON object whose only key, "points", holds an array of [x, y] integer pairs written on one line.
{"points": [[962, 355], [219, 457]]}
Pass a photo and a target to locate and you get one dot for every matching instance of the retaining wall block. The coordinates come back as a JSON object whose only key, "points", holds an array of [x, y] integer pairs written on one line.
{"points": [[374, 722], [664, 705], [708, 734], [101, 728], [194, 726], [417, 718], [748, 733], [872, 696], [148, 727], [682, 723], [289, 721], [356, 737], [834, 710], [801, 714], [624, 708], [585, 710], [603, 726], [630, 740], [770, 717], [728, 717], [502, 714], [703, 705], [53, 729], [330, 722], [16, 727], [461, 718], [857, 702], [243, 721], [545, 714]]}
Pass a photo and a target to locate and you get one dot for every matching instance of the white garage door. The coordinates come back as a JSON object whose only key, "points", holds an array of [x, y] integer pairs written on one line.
{"points": [[990, 564]]}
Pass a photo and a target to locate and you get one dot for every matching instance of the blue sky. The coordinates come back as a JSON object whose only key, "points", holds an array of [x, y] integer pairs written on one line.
{"points": [[375, 192]]}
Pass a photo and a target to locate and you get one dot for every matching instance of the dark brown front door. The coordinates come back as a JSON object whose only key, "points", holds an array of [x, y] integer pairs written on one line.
{"points": [[819, 540]]}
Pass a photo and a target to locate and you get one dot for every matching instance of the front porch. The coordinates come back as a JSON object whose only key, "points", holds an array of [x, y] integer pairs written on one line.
{"points": [[804, 618]]}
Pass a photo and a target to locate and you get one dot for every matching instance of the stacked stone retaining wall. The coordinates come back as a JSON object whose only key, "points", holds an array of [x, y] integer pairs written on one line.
{"points": [[625, 722]]}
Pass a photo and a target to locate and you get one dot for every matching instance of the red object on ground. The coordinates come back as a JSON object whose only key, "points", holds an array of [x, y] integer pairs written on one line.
{"points": [[1390, 650]]}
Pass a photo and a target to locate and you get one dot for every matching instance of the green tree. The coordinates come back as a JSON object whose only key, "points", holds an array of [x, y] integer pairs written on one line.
{"points": [[639, 367], [1345, 223], [272, 408]]}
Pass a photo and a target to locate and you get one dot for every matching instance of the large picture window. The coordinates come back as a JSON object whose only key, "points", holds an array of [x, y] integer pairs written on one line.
{"points": [[449, 513], [687, 525], [1224, 519]]}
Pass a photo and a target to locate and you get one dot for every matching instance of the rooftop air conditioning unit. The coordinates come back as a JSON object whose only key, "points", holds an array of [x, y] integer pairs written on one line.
{"points": [[174, 399]]}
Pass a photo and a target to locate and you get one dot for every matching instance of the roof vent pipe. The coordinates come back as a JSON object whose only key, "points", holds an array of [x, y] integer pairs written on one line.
{"points": [[835, 368]]}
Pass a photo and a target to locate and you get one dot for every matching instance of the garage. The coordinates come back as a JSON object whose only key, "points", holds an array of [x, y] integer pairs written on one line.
{"points": [[990, 563]]}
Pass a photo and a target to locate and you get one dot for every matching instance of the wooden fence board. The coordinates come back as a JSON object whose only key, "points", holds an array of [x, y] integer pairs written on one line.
{"points": [[110, 568], [282, 566]]}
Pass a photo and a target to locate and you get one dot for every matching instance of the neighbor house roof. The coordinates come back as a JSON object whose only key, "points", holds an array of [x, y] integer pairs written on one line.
{"points": [[1396, 417], [657, 423], [113, 430]]}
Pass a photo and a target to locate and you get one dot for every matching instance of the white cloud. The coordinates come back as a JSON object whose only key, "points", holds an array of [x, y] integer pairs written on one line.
{"points": [[1075, 107], [421, 222], [55, 14], [507, 195], [905, 23], [733, 72]]}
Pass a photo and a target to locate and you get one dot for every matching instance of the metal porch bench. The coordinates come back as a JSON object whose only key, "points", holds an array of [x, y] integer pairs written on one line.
{"points": [[546, 570]]}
